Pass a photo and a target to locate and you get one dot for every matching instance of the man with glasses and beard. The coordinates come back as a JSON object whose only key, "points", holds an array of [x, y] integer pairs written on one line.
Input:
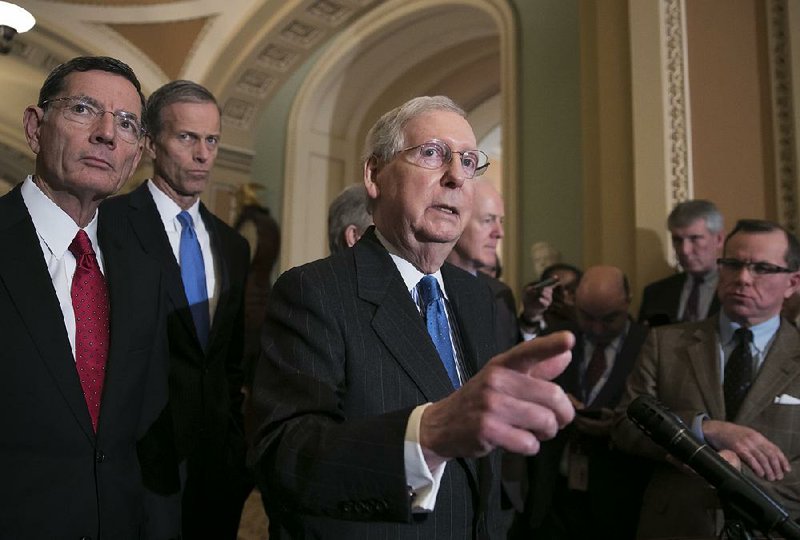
{"points": [[734, 378]]}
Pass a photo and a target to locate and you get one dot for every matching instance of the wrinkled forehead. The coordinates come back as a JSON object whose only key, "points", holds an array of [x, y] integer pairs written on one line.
{"points": [[447, 126], [111, 91]]}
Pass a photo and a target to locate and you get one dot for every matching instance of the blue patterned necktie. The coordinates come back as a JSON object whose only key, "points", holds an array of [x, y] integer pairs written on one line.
{"points": [[436, 321], [193, 274]]}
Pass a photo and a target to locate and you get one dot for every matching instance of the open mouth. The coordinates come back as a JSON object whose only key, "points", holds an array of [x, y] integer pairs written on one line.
{"points": [[446, 209]]}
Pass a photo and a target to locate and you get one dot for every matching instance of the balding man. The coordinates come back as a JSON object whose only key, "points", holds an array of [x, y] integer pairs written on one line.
{"points": [[381, 407], [597, 497], [476, 252]]}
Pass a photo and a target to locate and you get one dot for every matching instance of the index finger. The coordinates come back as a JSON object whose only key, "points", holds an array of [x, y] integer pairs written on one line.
{"points": [[530, 357]]}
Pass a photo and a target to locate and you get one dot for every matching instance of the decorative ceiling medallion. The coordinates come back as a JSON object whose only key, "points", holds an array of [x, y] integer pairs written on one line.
{"points": [[301, 33], [276, 57], [255, 82], [238, 112], [329, 11]]}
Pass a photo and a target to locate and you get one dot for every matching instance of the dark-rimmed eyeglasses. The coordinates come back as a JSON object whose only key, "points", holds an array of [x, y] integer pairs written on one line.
{"points": [[84, 110], [756, 268], [435, 154]]}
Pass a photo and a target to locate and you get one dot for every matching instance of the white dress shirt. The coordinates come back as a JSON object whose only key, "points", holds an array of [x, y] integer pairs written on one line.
{"points": [[56, 230], [612, 351], [423, 482], [169, 210]]}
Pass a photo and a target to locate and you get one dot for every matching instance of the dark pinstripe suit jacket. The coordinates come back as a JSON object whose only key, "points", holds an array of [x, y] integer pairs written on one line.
{"points": [[680, 366], [345, 359]]}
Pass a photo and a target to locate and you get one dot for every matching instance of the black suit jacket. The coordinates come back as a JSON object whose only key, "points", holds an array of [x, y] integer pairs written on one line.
{"points": [[59, 478], [661, 300], [346, 357], [204, 424]]}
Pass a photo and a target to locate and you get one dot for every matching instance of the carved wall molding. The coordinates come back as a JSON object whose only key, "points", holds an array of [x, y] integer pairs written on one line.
{"points": [[677, 110], [786, 177]]}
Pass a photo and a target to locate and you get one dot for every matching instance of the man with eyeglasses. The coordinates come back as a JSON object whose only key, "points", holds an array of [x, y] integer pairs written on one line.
{"points": [[734, 378], [83, 354], [380, 407], [201, 437], [697, 230]]}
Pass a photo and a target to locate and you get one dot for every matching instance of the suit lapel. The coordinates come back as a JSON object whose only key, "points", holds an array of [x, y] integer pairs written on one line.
{"points": [[780, 368], [623, 364], [221, 258], [703, 354], [147, 226], [30, 287], [397, 321], [469, 321]]}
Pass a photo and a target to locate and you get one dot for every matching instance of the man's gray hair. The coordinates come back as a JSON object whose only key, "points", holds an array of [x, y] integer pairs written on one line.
{"points": [[687, 212], [348, 208], [386, 137]]}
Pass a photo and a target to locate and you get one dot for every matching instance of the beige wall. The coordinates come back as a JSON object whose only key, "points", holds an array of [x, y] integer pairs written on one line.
{"points": [[731, 127]]}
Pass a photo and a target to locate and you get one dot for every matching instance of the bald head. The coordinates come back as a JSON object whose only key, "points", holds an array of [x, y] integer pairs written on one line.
{"points": [[477, 246], [602, 301]]}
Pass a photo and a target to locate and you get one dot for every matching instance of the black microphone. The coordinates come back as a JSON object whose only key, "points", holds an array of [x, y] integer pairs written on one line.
{"points": [[749, 502]]}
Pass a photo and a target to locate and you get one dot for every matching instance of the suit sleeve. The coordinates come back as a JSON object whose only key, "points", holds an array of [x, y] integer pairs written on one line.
{"points": [[648, 378], [311, 456]]}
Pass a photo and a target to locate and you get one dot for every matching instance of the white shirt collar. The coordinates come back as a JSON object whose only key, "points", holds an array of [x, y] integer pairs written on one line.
{"points": [[169, 209], [53, 225], [411, 275]]}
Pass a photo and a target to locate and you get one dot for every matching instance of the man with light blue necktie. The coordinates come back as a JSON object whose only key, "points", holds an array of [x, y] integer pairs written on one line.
{"points": [[193, 460]]}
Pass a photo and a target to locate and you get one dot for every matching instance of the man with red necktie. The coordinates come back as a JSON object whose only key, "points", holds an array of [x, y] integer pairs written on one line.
{"points": [[83, 348]]}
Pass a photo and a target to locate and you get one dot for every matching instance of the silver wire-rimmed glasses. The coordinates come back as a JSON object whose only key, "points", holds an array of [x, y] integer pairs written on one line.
{"points": [[84, 110], [435, 154]]}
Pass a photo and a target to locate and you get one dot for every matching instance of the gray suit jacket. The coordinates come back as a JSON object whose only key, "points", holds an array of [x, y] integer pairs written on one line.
{"points": [[345, 358], [679, 365]]}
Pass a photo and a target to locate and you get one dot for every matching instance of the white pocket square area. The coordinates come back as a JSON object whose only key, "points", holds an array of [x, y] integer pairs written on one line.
{"points": [[786, 399]]}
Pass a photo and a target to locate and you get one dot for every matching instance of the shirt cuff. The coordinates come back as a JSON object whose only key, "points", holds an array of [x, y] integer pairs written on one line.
{"points": [[697, 426], [422, 482]]}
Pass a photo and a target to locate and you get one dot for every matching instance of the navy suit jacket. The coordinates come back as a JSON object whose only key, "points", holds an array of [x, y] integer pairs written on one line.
{"points": [[59, 478], [345, 358]]}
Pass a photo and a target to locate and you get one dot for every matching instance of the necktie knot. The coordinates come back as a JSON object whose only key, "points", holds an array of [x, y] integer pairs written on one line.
{"points": [[743, 336], [429, 290], [81, 245], [185, 219]]}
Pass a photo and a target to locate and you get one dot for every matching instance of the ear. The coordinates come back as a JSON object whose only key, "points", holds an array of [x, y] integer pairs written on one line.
{"points": [[351, 235], [150, 145], [138, 157], [794, 284], [371, 177], [32, 121]]}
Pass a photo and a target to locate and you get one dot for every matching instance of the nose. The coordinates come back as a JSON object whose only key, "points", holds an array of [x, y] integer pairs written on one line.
{"points": [[454, 174], [202, 152], [683, 247], [498, 231], [744, 275], [104, 129]]}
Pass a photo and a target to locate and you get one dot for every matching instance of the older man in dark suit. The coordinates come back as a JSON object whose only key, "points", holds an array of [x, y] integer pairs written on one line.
{"points": [[734, 378], [83, 344], [205, 262], [379, 409]]}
